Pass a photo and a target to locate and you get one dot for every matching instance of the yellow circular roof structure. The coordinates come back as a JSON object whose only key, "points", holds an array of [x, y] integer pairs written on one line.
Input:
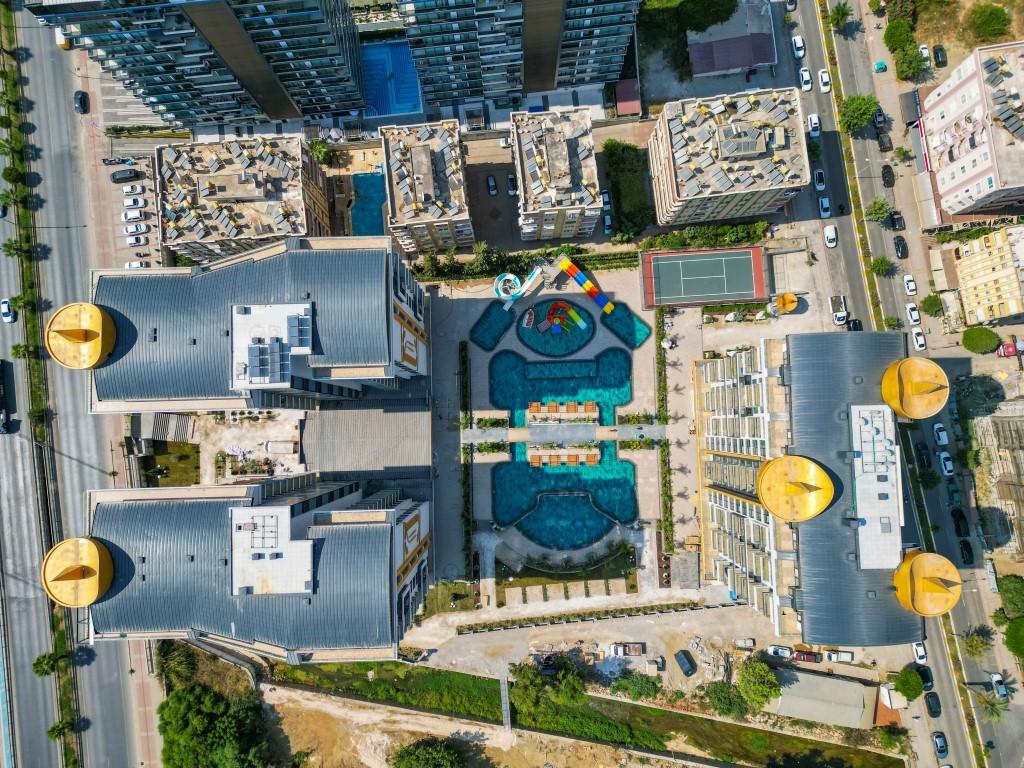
{"points": [[80, 336], [927, 583], [786, 303], [915, 387], [77, 572], [794, 488]]}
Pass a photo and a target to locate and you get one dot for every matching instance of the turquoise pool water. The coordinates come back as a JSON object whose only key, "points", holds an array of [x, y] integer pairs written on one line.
{"points": [[492, 324], [554, 342], [368, 208], [628, 327], [564, 521], [513, 385]]}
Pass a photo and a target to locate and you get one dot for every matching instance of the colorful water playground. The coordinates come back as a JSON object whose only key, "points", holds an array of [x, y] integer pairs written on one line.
{"points": [[560, 502]]}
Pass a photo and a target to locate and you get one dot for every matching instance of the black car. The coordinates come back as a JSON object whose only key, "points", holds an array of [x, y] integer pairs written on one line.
{"points": [[125, 174], [854, 325], [884, 142], [896, 221], [878, 119], [888, 176], [960, 522], [939, 54], [900, 243], [966, 552], [81, 102], [924, 456], [933, 705], [926, 677]]}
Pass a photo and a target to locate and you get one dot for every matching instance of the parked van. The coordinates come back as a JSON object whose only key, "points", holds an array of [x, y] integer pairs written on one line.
{"points": [[685, 662], [838, 656]]}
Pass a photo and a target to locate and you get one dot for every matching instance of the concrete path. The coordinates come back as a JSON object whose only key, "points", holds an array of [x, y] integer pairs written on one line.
{"points": [[565, 434]]}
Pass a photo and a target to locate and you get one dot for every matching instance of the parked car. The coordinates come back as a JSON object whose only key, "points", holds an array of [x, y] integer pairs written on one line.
{"points": [[804, 76], [966, 552], [81, 101], [513, 187], [878, 119], [813, 125], [896, 221], [819, 180], [900, 243], [960, 522], [135, 241], [134, 202], [884, 142], [779, 651], [505, 142], [854, 325], [799, 49], [606, 201], [946, 463], [6, 313], [790, 5], [607, 223], [888, 176], [133, 215], [685, 662], [909, 285], [953, 493], [924, 456], [998, 686], [932, 704], [913, 315], [807, 656], [746, 643], [1006, 349], [926, 677], [831, 236], [135, 265], [839, 656], [136, 229], [125, 174], [925, 53], [824, 207], [939, 56], [824, 80], [492, 186], [131, 189], [920, 654], [940, 433], [941, 747]]}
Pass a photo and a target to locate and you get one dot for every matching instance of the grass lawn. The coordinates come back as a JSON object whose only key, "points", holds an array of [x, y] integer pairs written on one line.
{"points": [[449, 692], [441, 596], [621, 564], [627, 177], [178, 462]]}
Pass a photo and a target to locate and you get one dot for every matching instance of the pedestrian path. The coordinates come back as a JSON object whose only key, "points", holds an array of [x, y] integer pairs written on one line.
{"points": [[564, 433]]}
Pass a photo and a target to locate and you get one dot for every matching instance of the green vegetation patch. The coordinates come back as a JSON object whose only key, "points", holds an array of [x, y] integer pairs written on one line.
{"points": [[172, 465], [627, 177]]}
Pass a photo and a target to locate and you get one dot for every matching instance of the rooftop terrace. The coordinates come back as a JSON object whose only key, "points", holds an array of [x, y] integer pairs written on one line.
{"points": [[425, 173], [737, 143], [224, 190], [555, 159], [878, 491]]}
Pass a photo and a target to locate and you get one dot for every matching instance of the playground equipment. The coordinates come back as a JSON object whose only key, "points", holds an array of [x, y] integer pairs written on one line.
{"points": [[509, 287], [588, 287], [562, 315]]}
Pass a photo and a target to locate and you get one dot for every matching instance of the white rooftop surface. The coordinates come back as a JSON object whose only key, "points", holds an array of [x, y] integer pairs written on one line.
{"points": [[878, 486], [265, 332], [265, 560], [555, 162]]}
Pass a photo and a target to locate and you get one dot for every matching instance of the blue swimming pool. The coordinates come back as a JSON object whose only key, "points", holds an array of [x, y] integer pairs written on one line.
{"points": [[368, 208], [492, 324], [390, 85], [628, 327], [563, 334]]}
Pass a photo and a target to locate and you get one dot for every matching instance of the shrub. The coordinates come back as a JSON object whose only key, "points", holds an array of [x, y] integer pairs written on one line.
{"points": [[903, 9], [910, 64], [1011, 589], [898, 35], [13, 175], [708, 236], [813, 150], [878, 209], [892, 323], [931, 305], [319, 150], [627, 177], [881, 266], [637, 686], [724, 698], [856, 111], [908, 682], [427, 753], [980, 340], [1015, 638], [757, 683], [201, 727], [987, 22]]}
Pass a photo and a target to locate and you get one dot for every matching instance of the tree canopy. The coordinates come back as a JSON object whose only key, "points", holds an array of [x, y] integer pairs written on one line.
{"points": [[637, 686], [910, 64], [839, 15], [898, 34], [987, 22], [856, 111], [1015, 638], [877, 209], [201, 727], [980, 340], [977, 641], [931, 305], [724, 698], [757, 683], [1011, 589], [908, 682], [427, 753], [881, 266]]}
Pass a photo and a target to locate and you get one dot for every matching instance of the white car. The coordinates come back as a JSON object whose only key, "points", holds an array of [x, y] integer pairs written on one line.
{"points": [[912, 314], [941, 435], [780, 651], [831, 236], [917, 335], [806, 83], [998, 686], [920, 654], [505, 142], [136, 240], [135, 265], [799, 49], [946, 463], [131, 189], [813, 125], [133, 215], [819, 180], [824, 80], [134, 202], [824, 207], [136, 229], [6, 313], [925, 53], [909, 285]]}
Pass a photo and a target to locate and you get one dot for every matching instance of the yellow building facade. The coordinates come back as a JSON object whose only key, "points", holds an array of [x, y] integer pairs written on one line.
{"points": [[990, 283]]}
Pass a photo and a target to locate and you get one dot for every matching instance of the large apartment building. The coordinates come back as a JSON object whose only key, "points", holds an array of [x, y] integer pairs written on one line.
{"points": [[238, 61], [1000, 435], [974, 132], [989, 272], [553, 153], [801, 499], [728, 157], [426, 188], [491, 49], [223, 198]]}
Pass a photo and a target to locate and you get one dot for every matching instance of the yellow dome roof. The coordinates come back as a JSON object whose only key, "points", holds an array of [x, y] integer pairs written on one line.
{"points": [[786, 303], [915, 387], [794, 488], [77, 572], [80, 336], [927, 583]]}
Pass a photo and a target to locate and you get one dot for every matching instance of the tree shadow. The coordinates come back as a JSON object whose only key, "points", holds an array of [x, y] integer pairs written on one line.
{"points": [[33, 179], [82, 724], [21, 54], [83, 656], [814, 758], [28, 128]]}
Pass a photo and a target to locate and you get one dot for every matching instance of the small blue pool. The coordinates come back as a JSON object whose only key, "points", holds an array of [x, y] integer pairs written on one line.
{"points": [[368, 208], [628, 327], [390, 85], [492, 325]]}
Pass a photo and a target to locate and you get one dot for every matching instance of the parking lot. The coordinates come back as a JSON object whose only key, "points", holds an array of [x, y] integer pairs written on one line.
{"points": [[137, 244]]}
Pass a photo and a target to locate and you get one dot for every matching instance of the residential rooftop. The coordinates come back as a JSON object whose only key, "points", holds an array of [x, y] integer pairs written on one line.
{"points": [[555, 162], [745, 39], [243, 188], [425, 172], [738, 143], [877, 486]]}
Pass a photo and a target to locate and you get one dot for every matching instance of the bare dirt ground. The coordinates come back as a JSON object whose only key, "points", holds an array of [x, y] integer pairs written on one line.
{"points": [[340, 733], [941, 22]]}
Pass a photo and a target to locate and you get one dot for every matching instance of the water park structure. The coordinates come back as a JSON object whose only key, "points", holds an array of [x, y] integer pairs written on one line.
{"points": [[602, 301]]}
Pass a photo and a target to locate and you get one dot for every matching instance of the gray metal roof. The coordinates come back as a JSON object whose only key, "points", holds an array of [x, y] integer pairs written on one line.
{"points": [[825, 699], [827, 373], [350, 606], [393, 438], [347, 288]]}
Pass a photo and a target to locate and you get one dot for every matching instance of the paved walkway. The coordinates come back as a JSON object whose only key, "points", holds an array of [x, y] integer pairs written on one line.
{"points": [[567, 434]]}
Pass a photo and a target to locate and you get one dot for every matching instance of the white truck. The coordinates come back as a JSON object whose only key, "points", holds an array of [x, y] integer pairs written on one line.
{"points": [[838, 306]]}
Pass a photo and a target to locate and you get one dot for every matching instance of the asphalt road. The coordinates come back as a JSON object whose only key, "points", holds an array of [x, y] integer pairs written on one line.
{"points": [[82, 449]]}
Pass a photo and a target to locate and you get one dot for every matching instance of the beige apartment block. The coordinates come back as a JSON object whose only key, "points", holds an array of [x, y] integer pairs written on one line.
{"points": [[427, 208], [727, 157], [988, 270]]}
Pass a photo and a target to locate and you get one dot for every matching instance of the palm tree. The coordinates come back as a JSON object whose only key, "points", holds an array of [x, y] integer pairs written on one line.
{"points": [[46, 663], [9, 197], [991, 707], [20, 351], [839, 15], [58, 729]]}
